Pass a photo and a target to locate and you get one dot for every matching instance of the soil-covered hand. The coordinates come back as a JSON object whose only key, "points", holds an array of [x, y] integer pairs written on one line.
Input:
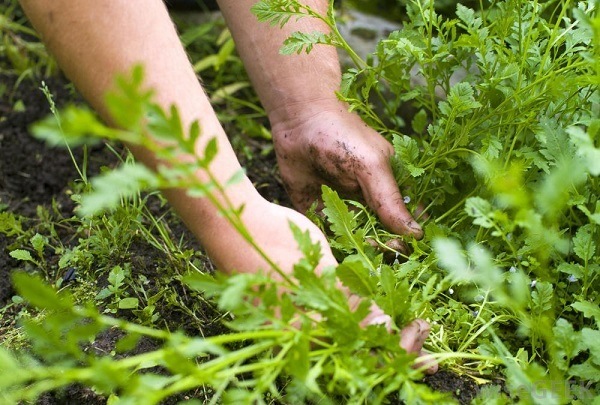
{"points": [[336, 148]]}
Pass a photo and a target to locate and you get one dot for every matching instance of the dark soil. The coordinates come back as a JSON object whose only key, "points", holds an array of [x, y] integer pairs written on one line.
{"points": [[32, 175]]}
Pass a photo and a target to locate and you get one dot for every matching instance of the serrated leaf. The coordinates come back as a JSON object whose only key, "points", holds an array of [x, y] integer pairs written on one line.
{"points": [[210, 151], [109, 188], [591, 340], [586, 149], [467, 15], [541, 297], [583, 242], [595, 217], [341, 221], [304, 41], [460, 101], [38, 294], [566, 343], [21, 254], [407, 153], [419, 121], [589, 310], [310, 249], [38, 242], [355, 275], [480, 210], [395, 300], [278, 12]]}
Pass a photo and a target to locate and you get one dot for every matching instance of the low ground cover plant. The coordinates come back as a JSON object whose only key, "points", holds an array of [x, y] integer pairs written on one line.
{"points": [[501, 150]]}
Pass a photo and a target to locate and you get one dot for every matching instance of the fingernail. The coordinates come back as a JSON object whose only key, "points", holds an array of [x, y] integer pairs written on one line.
{"points": [[416, 229], [415, 226]]}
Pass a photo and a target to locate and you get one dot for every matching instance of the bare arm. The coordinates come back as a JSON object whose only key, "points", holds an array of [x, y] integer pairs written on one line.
{"points": [[95, 40], [316, 139]]}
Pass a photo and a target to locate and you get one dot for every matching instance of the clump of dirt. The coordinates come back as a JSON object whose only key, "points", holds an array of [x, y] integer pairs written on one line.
{"points": [[31, 173], [463, 388]]}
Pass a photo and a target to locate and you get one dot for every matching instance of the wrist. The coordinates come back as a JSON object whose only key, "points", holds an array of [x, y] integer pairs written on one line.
{"points": [[294, 113]]}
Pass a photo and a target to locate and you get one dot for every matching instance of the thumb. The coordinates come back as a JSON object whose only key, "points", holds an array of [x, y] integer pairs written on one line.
{"points": [[383, 195]]}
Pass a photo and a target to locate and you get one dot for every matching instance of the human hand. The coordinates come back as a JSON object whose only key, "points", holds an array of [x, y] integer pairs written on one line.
{"points": [[412, 337], [269, 226], [334, 147]]}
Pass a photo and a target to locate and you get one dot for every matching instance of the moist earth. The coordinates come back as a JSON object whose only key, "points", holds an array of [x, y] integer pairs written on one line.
{"points": [[32, 175]]}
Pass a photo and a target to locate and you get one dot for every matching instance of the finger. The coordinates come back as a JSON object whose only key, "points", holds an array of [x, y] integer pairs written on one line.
{"points": [[413, 336], [426, 360], [382, 195]]}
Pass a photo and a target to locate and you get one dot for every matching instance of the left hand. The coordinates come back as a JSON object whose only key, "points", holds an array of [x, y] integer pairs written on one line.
{"points": [[335, 147]]}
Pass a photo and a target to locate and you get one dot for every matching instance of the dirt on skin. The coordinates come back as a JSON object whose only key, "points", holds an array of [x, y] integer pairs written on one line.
{"points": [[32, 174]]}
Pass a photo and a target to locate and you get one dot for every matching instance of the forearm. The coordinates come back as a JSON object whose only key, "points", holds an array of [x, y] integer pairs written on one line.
{"points": [[285, 83]]}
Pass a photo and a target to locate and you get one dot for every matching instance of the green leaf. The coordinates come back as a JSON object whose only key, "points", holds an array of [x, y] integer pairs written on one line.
{"points": [[594, 218], [237, 178], [419, 121], [591, 340], [128, 103], [37, 293], [104, 293], [481, 210], [278, 12], [304, 41], [583, 242], [77, 126], [407, 154], [586, 149], [460, 101], [116, 276], [342, 222], [395, 300], [467, 15], [109, 188], [355, 275], [452, 258], [234, 294], [23, 255], [210, 151], [542, 297], [310, 249], [38, 242], [128, 303], [589, 310], [10, 224], [566, 343], [572, 269], [204, 283]]}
